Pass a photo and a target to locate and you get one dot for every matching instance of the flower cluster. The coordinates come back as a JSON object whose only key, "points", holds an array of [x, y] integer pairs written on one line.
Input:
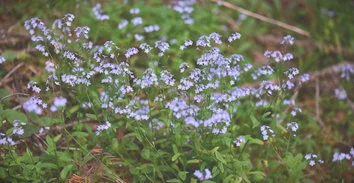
{"points": [[2, 59], [347, 72], [18, 130], [34, 104], [33, 85], [234, 37], [339, 156], [288, 39], [293, 126], [152, 28], [103, 127], [266, 132], [203, 175], [185, 9], [239, 141], [97, 11], [312, 158], [340, 94], [57, 103], [6, 140]]}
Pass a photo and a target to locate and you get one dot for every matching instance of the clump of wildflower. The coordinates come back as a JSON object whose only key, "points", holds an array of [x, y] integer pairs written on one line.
{"points": [[181, 109], [103, 127], [264, 70], [203, 41], [269, 87], [33, 85], [149, 78], [2, 59], [184, 8], [304, 78], [82, 32], [58, 102], [293, 126], [239, 141], [215, 37], [137, 21], [342, 156], [185, 84], [97, 11], [346, 71], [141, 114], [123, 24], [266, 132], [186, 44], [288, 57], [151, 28], [6, 140], [134, 11], [139, 37], [34, 105], [42, 49], [312, 158], [261, 103], [162, 46], [68, 19], [167, 78], [43, 129], [216, 130], [146, 47], [292, 72], [340, 94], [295, 111], [49, 66], [288, 39], [205, 175], [131, 51], [18, 130], [183, 67], [234, 37]]}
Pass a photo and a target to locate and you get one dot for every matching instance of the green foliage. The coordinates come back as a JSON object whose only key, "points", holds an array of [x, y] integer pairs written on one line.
{"points": [[168, 149]]}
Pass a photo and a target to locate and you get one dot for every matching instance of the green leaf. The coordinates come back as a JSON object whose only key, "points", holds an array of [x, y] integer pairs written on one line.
{"points": [[92, 116], [182, 175], [193, 161], [13, 115], [255, 122], [79, 134], [51, 144], [219, 157], [175, 157], [281, 128], [221, 167], [266, 114], [174, 148], [47, 165], [9, 55], [257, 176], [73, 110], [255, 141], [214, 150], [65, 171], [146, 154], [4, 93], [57, 138]]}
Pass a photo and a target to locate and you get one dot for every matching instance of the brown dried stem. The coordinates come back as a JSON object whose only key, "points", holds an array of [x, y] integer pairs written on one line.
{"points": [[263, 18]]}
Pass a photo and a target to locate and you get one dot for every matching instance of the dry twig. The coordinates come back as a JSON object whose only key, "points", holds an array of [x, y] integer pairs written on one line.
{"points": [[10, 73], [263, 18]]}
